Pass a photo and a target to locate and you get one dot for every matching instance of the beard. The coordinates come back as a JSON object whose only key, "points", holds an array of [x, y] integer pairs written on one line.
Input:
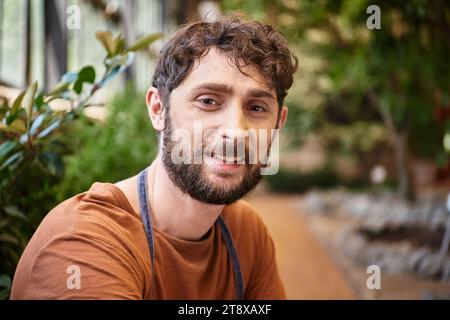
{"points": [[192, 179]]}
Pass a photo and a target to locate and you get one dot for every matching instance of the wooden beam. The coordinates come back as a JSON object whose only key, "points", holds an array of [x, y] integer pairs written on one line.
{"points": [[27, 39], [129, 18], [1, 35], [55, 41]]}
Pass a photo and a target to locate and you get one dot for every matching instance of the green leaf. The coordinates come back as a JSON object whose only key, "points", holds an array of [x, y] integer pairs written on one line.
{"points": [[12, 159], [11, 117], [5, 237], [59, 88], [78, 87], [49, 129], [13, 211], [14, 112], [106, 39], [37, 123], [52, 162], [144, 42], [119, 44], [17, 103], [18, 125], [6, 147], [87, 74], [39, 101], [29, 101], [5, 281]]}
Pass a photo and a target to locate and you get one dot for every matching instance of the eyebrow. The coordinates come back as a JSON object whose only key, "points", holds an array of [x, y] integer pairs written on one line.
{"points": [[223, 88], [259, 93], [216, 87]]}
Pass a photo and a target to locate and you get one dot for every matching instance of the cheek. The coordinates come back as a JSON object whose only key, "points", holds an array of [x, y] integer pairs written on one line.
{"points": [[182, 121], [180, 110], [266, 139]]}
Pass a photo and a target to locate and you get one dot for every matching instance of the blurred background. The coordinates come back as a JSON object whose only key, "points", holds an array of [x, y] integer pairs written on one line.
{"points": [[365, 156]]}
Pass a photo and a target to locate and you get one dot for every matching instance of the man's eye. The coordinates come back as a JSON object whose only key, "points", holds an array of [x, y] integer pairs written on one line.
{"points": [[256, 108], [208, 102]]}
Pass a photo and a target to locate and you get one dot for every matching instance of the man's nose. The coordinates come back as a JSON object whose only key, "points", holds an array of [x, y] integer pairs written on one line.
{"points": [[234, 125]]}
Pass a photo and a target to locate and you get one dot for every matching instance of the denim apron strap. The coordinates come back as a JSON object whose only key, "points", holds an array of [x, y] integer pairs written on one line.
{"points": [[145, 212], [147, 221], [146, 216], [234, 258]]}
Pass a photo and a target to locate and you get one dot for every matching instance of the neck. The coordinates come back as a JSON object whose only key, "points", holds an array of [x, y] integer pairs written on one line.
{"points": [[177, 213]]}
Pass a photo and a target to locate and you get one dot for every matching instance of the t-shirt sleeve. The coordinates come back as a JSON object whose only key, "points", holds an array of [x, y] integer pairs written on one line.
{"points": [[88, 247], [266, 282], [77, 266]]}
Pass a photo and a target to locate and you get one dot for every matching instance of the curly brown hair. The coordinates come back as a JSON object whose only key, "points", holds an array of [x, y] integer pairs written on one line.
{"points": [[244, 42]]}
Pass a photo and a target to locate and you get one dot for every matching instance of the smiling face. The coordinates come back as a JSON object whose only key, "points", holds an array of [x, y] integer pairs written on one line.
{"points": [[227, 102]]}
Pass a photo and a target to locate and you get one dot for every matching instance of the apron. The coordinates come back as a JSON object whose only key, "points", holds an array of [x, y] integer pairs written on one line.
{"points": [[146, 216]]}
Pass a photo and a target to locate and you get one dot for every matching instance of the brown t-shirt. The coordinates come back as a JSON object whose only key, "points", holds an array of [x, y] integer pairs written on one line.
{"points": [[99, 239]]}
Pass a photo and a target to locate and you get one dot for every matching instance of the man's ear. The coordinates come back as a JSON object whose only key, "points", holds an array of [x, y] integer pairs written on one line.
{"points": [[155, 108], [283, 117]]}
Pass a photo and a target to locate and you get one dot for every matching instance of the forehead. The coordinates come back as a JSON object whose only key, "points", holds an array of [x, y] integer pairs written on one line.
{"points": [[217, 67]]}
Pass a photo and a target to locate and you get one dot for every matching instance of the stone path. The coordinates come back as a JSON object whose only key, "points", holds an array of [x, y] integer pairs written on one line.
{"points": [[305, 267]]}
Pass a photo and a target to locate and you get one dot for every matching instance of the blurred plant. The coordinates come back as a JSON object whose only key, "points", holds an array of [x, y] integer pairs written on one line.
{"points": [[289, 181], [446, 140], [31, 145], [5, 286], [300, 122], [356, 137], [111, 150]]}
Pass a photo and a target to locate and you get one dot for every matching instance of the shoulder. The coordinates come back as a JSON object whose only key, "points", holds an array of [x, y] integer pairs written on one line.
{"points": [[105, 209], [94, 230], [101, 213], [98, 211]]}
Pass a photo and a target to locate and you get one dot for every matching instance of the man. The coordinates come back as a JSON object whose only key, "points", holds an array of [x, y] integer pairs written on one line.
{"points": [[178, 230]]}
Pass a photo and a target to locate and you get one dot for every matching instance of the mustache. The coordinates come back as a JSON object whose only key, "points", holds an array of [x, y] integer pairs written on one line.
{"points": [[239, 151]]}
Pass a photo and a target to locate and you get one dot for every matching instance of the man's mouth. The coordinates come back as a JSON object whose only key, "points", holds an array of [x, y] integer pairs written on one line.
{"points": [[227, 159], [223, 164]]}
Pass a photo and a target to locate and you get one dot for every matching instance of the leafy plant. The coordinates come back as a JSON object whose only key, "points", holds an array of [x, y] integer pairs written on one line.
{"points": [[290, 181], [111, 150], [5, 286], [32, 145]]}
